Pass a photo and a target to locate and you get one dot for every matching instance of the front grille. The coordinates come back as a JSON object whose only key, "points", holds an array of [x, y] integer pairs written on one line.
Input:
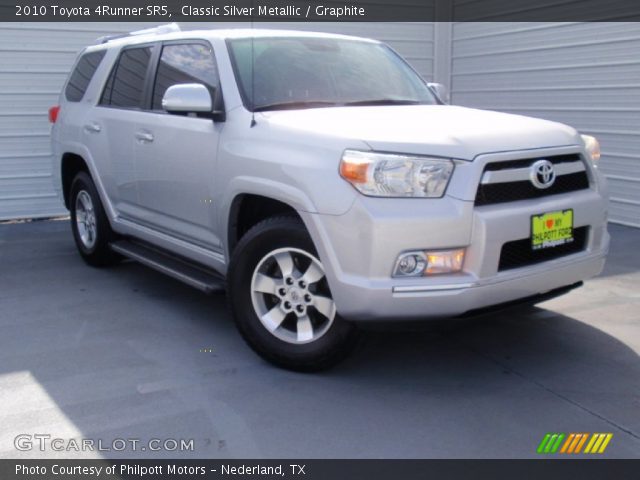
{"points": [[527, 162], [519, 253], [512, 191], [491, 193]]}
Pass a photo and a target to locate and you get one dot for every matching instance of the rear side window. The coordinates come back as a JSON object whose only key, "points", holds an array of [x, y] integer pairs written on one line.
{"points": [[125, 85], [82, 75], [184, 63]]}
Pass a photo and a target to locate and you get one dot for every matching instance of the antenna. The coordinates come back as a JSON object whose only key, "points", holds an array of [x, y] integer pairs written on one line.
{"points": [[253, 81]]}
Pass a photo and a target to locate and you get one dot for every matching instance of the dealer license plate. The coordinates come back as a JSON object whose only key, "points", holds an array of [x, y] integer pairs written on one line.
{"points": [[551, 229]]}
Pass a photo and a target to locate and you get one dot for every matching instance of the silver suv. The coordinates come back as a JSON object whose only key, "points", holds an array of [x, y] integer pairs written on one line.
{"points": [[320, 181]]}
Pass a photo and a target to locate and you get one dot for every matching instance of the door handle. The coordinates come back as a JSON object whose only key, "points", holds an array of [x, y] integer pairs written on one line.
{"points": [[144, 137], [92, 127]]}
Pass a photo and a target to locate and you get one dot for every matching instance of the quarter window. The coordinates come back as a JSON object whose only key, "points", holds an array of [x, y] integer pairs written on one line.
{"points": [[125, 85], [184, 63], [82, 75]]}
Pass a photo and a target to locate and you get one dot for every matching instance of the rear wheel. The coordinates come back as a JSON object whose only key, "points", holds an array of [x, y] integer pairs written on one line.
{"points": [[281, 300], [91, 230]]}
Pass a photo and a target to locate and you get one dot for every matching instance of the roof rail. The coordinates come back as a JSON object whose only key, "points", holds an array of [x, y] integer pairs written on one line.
{"points": [[160, 29]]}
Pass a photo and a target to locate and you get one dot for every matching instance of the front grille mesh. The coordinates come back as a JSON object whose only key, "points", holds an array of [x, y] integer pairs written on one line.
{"points": [[512, 191], [491, 193], [519, 253]]}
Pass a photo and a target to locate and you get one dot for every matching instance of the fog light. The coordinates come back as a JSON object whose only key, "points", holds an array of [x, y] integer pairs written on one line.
{"points": [[410, 264], [419, 263], [444, 261]]}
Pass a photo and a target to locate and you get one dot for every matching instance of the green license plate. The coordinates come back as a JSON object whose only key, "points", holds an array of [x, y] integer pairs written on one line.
{"points": [[551, 229]]}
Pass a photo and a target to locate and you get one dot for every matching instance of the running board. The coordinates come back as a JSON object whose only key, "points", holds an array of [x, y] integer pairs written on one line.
{"points": [[187, 272]]}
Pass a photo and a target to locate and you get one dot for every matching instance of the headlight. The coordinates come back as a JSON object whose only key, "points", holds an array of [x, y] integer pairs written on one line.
{"points": [[592, 146], [395, 175]]}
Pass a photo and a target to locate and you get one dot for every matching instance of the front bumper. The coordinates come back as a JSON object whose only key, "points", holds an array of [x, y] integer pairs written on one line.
{"points": [[421, 301], [359, 249]]}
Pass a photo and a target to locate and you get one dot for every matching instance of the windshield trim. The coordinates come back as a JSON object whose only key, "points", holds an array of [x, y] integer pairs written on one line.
{"points": [[248, 103]]}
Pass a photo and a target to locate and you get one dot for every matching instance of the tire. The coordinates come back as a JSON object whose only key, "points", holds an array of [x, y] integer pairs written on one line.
{"points": [[89, 224], [288, 321]]}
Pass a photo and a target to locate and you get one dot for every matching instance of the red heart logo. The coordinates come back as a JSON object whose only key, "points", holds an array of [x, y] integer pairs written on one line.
{"points": [[549, 223]]}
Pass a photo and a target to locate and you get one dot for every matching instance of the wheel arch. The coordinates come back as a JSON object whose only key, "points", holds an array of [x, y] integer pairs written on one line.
{"points": [[74, 158], [254, 199], [70, 165], [248, 209]]}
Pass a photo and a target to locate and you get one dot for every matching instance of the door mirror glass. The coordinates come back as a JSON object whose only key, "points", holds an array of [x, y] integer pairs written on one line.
{"points": [[187, 98]]}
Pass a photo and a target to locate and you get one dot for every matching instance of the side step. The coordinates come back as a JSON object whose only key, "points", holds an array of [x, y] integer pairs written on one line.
{"points": [[181, 269]]}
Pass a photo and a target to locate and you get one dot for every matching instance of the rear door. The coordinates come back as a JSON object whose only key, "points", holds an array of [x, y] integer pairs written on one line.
{"points": [[114, 123], [176, 154]]}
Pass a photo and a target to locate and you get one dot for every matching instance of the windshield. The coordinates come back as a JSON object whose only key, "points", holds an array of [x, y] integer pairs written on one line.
{"points": [[307, 72]]}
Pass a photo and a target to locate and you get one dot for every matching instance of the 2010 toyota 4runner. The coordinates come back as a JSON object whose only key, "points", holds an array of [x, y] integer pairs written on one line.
{"points": [[320, 181]]}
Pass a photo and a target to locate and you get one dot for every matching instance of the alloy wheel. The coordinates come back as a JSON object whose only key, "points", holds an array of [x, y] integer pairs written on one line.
{"points": [[86, 219], [291, 296]]}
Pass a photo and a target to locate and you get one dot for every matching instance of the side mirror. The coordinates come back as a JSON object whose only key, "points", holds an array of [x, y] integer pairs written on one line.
{"points": [[440, 90], [187, 98]]}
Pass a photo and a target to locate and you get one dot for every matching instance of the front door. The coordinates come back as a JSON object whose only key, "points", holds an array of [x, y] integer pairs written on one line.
{"points": [[176, 154]]}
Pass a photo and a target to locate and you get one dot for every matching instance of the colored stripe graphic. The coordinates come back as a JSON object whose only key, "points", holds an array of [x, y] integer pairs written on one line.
{"points": [[543, 443], [556, 445], [598, 442], [581, 442], [570, 438], [547, 448], [594, 437], [551, 443], [573, 445], [596, 446]]}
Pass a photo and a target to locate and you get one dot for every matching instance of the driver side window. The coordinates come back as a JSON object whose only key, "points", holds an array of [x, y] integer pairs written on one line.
{"points": [[184, 63]]}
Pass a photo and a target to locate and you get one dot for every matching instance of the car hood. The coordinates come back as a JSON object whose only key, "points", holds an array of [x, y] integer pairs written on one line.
{"points": [[439, 130]]}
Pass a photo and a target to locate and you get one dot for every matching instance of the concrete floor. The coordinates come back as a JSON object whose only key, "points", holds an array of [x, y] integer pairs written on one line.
{"points": [[120, 353]]}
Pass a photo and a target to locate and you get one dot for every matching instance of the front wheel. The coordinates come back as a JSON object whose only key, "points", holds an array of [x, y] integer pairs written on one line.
{"points": [[281, 301]]}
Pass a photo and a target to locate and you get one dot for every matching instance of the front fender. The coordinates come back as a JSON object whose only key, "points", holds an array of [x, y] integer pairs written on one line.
{"points": [[248, 185]]}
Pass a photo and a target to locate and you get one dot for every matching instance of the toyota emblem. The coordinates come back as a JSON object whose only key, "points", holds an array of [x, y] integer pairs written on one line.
{"points": [[542, 174]]}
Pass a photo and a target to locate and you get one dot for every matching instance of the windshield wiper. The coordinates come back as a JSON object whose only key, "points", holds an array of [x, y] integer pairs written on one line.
{"points": [[325, 103], [383, 101], [295, 105]]}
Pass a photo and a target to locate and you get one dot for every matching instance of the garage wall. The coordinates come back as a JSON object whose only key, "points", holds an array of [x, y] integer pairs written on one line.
{"points": [[585, 75], [36, 57]]}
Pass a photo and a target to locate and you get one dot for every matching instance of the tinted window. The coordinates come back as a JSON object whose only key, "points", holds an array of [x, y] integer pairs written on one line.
{"points": [[184, 64], [82, 75], [106, 94], [126, 82]]}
